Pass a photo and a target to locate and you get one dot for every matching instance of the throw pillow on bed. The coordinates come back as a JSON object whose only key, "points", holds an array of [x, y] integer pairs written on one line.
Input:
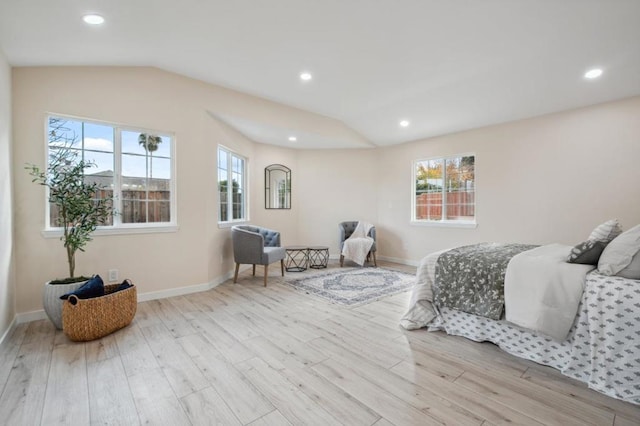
{"points": [[606, 232], [620, 252], [587, 253]]}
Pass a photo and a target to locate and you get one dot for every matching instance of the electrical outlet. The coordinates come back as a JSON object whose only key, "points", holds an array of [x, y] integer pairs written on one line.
{"points": [[113, 275]]}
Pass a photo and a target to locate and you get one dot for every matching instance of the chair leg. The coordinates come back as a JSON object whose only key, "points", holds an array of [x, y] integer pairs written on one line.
{"points": [[266, 270], [254, 270], [282, 266], [341, 260], [235, 276], [374, 258]]}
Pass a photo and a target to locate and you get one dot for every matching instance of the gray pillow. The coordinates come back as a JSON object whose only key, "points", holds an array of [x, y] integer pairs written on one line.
{"points": [[587, 253]]}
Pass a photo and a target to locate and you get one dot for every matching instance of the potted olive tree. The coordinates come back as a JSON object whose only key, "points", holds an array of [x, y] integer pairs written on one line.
{"points": [[80, 210]]}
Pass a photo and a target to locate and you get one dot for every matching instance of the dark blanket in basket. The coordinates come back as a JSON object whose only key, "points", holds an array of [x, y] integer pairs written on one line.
{"points": [[471, 278]]}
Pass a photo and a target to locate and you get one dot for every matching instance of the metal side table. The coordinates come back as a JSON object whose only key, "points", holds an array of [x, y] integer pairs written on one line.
{"points": [[297, 258], [318, 257]]}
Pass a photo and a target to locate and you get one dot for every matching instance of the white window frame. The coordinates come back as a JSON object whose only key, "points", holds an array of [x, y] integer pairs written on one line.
{"points": [[245, 185], [118, 227], [444, 223]]}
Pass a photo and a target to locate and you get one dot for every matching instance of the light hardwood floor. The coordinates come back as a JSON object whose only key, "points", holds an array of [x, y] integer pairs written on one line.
{"points": [[244, 354]]}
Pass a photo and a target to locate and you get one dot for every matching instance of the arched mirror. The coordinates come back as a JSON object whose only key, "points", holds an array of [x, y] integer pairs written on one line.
{"points": [[277, 187]]}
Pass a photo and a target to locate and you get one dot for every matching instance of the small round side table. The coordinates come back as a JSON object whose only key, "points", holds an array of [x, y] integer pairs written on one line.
{"points": [[297, 258], [318, 257]]}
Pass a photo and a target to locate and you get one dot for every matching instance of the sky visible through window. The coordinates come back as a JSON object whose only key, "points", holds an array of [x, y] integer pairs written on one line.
{"points": [[99, 145]]}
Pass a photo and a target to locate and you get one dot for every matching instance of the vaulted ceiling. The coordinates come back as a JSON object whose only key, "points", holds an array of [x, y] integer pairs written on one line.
{"points": [[444, 66]]}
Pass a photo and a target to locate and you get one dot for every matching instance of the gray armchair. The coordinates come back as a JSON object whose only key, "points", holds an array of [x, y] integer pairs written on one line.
{"points": [[256, 246], [346, 229]]}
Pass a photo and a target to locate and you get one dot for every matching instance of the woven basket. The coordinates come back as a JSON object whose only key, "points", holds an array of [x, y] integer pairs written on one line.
{"points": [[89, 319]]}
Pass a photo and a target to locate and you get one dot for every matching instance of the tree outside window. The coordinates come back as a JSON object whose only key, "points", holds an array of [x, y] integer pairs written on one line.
{"points": [[444, 189], [134, 167]]}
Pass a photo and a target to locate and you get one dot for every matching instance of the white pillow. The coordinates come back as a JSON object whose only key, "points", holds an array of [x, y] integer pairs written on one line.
{"points": [[633, 270], [619, 252], [606, 231]]}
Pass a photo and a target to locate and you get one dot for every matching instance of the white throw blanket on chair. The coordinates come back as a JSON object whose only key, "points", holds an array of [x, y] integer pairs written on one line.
{"points": [[357, 246]]}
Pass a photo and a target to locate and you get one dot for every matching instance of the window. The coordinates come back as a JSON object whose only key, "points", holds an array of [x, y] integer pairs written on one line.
{"points": [[444, 190], [133, 166], [233, 197]]}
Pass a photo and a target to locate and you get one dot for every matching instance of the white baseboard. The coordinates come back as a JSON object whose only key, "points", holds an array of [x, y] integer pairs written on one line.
{"points": [[387, 258], [400, 261], [142, 297], [7, 333], [162, 294], [181, 291], [30, 316]]}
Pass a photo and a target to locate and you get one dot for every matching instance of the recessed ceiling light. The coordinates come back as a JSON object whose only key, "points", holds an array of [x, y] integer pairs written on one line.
{"points": [[404, 123], [305, 76], [93, 19], [292, 139], [594, 73]]}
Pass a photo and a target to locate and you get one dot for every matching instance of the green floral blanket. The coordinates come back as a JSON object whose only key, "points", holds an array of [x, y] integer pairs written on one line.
{"points": [[471, 278]]}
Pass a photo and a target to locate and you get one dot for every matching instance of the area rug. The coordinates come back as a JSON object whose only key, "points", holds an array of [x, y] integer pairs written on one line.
{"points": [[353, 286]]}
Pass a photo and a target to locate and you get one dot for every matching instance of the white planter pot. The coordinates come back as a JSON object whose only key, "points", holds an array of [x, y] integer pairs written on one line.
{"points": [[52, 303]]}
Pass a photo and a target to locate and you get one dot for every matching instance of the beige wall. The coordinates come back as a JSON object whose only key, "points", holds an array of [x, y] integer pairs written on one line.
{"points": [[7, 284], [334, 186], [542, 180], [548, 179], [199, 252], [284, 220]]}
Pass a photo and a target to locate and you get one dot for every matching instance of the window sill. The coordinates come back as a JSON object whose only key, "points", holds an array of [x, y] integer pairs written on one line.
{"points": [[122, 230], [444, 224]]}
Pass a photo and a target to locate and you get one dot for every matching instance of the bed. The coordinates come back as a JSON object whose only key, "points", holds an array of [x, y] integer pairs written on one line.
{"points": [[566, 316]]}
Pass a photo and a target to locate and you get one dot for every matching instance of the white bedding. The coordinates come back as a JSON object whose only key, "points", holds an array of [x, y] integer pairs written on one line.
{"points": [[542, 291], [602, 348], [421, 312]]}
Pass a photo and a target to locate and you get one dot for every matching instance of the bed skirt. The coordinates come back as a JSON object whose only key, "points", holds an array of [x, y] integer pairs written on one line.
{"points": [[603, 347]]}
